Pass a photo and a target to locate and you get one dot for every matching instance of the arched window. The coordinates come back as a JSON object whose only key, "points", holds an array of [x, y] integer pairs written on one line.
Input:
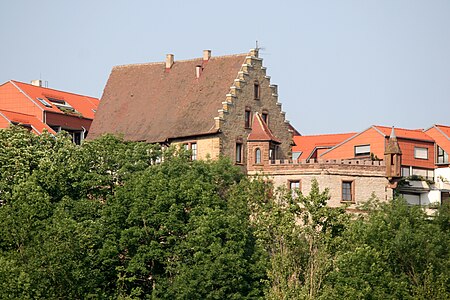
{"points": [[258, 156]]}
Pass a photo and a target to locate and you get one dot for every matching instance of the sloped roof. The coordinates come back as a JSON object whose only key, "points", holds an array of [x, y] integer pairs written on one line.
{"points": [[260, 131], [84, 104], [444, 129], [414, 134], [441, 136], [146, 102], [306, 144], [24, 119]]}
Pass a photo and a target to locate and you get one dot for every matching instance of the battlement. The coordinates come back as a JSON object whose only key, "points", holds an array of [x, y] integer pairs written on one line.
{"points": [[354, 162]]}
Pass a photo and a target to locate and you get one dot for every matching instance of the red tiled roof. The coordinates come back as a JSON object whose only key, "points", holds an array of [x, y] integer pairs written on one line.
{"points": [[146, 102], [308, 143], [260, 131], [83, 104], [23, 119], [414, 134], [444, 129], [441, 135]]}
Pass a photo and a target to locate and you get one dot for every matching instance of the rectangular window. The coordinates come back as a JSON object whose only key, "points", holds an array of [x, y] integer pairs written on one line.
{"points": [[347, 191], [191, 147], [273, 153], [248, 116], [420, 153], [406, 172], [238, 153], [442, 156], [44, 102], [194, 151], [294, 186], [362, 150], [265, 117], [256, 91]]}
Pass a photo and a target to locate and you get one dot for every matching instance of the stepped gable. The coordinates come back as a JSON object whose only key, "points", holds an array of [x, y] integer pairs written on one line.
{"points": [[260, 131], [156, 102]]}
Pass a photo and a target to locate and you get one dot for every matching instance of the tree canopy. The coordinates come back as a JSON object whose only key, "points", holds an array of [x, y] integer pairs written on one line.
{"points": [[113, 219]]}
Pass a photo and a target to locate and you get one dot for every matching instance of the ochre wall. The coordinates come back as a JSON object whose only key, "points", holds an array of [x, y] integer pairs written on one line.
{"points": [[207, 147]]}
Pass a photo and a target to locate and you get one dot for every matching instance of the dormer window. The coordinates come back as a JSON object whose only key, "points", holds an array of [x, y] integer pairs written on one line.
{"points": [[61, 104], [256, 91], [44, 102]]}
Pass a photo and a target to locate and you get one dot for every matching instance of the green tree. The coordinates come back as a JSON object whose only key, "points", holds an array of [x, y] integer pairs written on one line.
{"points": [[395, 251]]}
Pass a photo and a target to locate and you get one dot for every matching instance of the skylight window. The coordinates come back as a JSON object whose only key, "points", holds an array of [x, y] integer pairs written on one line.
{"points": [[44, 102], [61, 104]]}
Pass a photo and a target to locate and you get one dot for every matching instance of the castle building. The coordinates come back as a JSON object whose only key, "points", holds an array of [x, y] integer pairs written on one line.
{"points": [[226, 105], [206, 104]]}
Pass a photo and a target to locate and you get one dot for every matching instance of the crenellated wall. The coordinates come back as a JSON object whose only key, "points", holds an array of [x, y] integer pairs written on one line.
{"points": [[366, 177]]}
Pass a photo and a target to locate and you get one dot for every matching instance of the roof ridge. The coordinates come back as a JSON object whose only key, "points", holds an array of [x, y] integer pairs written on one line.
{"points": [[47, 88], [175, 61], [387, 127], [325, 134]]}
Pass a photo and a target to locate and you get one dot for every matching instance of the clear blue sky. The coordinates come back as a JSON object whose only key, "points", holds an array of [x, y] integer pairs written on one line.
{"points": [[340, 65]]}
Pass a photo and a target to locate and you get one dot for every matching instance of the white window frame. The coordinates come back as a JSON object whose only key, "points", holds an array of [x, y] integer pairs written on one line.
{"points": [[362, 150], [420, 153]]}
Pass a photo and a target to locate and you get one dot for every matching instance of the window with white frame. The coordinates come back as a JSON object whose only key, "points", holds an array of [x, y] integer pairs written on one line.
{"points": [[421, 152], [362, 150], [257, 156], [294, 186], [194, 151]]}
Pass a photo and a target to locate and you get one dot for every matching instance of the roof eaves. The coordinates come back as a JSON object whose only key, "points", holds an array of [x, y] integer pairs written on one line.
{"points": [[188, 136]]}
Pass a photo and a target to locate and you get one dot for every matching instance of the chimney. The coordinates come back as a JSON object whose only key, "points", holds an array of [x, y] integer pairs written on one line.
{"points": [[206, 55], [36, 82], [169, 61], [198, 71]]}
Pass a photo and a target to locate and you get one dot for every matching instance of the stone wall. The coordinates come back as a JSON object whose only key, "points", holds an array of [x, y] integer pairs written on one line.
{"points": [[367, 178]]}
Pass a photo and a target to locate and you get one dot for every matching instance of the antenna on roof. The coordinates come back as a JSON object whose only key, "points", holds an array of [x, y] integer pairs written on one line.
{"points": [[258, 48]]}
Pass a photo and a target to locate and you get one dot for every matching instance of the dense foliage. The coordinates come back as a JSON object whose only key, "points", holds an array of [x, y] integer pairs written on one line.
{"points": [[124, 220]]}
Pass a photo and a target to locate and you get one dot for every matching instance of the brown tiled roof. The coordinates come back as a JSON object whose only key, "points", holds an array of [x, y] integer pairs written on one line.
{"points": [[260, 131], [146, 102]]}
